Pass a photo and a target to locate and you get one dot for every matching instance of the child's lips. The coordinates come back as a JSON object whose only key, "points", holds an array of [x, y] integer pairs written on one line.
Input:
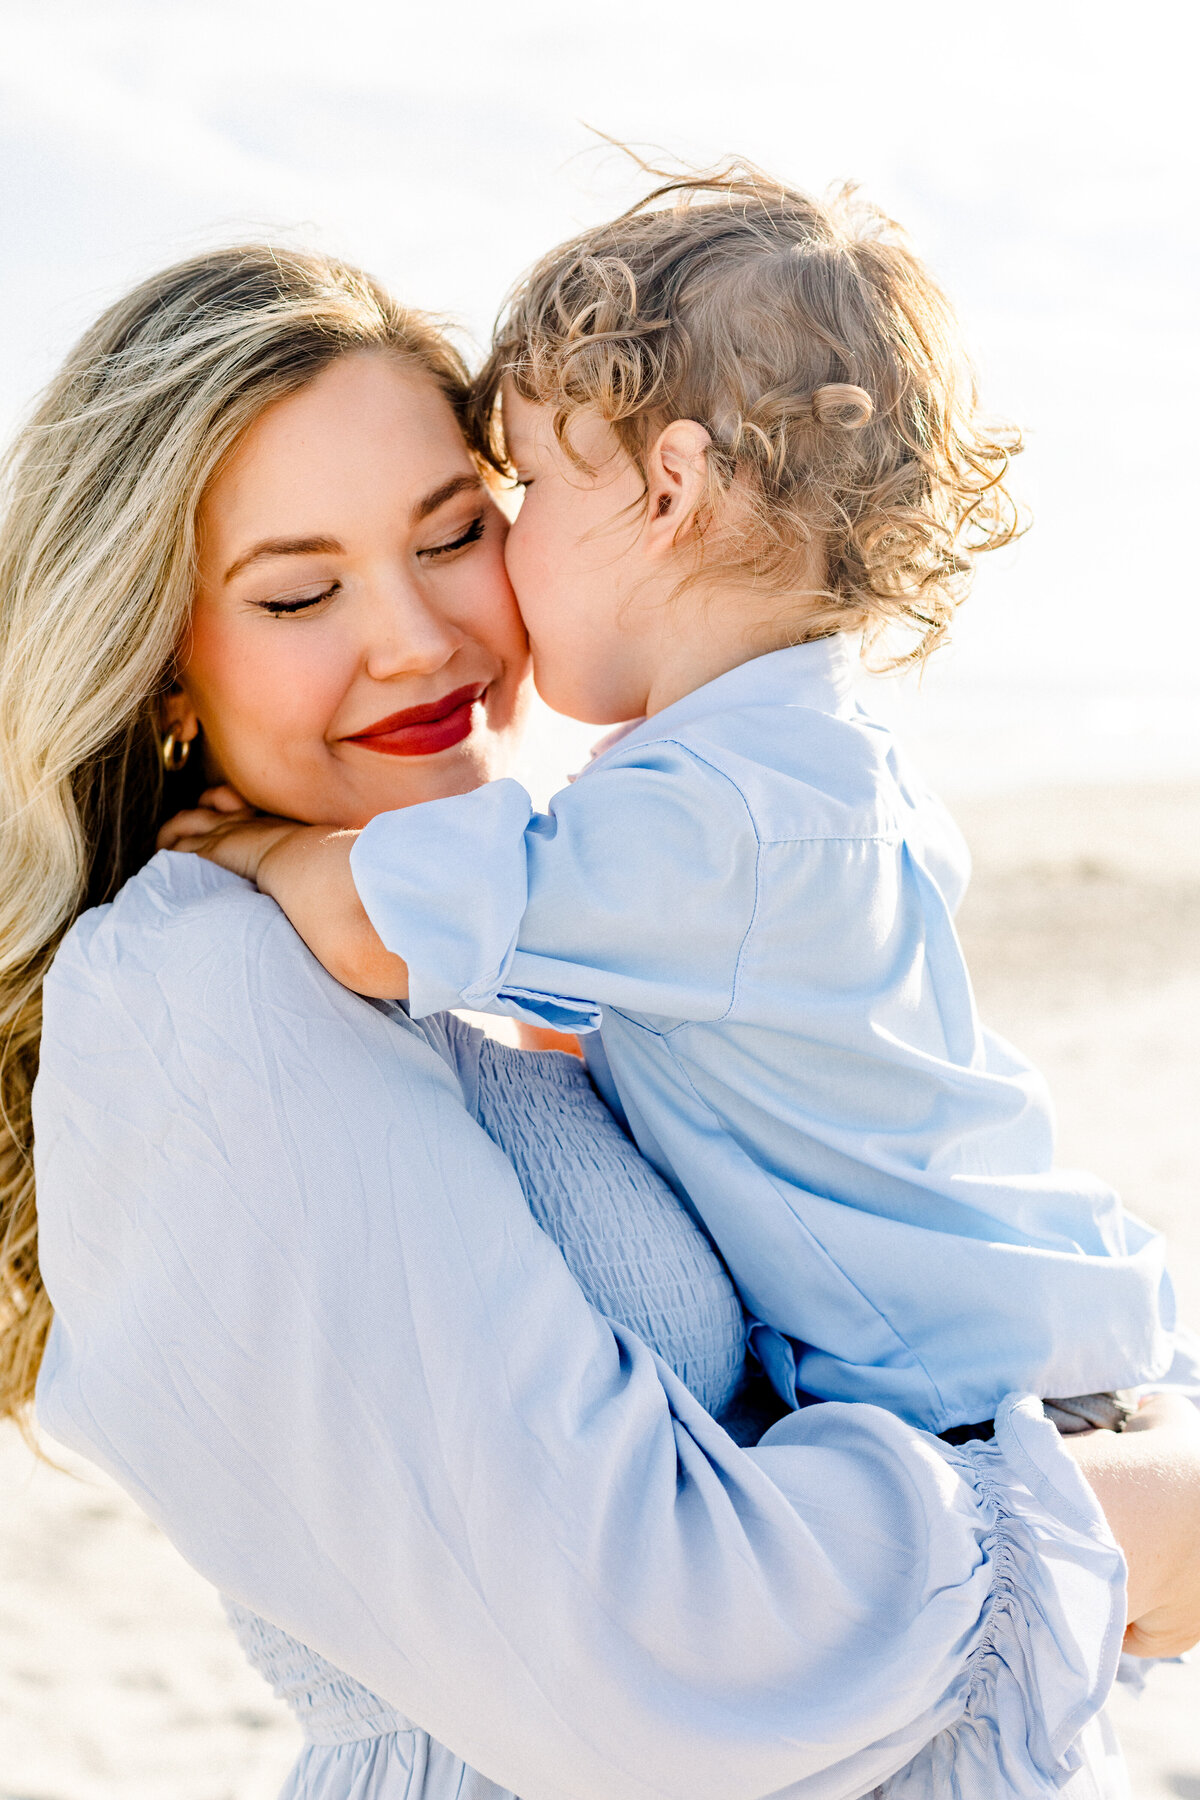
{"points": [[424, 730]]}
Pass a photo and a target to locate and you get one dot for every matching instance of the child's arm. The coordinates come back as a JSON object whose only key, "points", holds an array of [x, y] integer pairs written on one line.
{"points": [[306, 870], [635, 890], [540, 1037]]}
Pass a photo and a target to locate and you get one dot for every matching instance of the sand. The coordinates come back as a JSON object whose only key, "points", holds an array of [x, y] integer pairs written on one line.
{"points": [[1082, 928], [118, 1677]]}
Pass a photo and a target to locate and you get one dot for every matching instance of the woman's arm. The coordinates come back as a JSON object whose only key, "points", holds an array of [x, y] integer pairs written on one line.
{"points": [[1148, 1482], [305, 1317]]}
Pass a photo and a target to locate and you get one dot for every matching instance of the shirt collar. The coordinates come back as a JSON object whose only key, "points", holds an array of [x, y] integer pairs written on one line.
{"points": [[819, 676]]}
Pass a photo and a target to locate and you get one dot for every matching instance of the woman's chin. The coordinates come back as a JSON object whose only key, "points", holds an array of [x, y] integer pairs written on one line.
{"points": [[409, 781], [352, 785]]}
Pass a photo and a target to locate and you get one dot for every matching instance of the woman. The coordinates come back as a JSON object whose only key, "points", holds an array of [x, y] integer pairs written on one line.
{"points": [[304, 1311]]}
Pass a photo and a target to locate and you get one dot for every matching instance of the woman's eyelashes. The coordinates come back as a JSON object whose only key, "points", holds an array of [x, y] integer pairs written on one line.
{"points": [[295, 603], [471, 535]]}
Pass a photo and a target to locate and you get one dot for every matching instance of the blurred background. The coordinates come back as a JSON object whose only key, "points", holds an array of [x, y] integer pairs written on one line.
{"points": [[1043, 157]]}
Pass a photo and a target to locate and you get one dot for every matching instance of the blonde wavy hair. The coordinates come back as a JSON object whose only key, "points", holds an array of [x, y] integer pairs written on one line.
{"points": [[826, 365], [97, 562]]}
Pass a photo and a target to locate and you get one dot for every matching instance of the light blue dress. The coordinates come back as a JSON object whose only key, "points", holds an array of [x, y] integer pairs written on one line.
{"points": [[306, 1316], [752, 898]]}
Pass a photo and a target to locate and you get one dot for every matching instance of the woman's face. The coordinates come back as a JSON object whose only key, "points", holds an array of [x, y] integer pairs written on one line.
{"points": [[355, 645]]}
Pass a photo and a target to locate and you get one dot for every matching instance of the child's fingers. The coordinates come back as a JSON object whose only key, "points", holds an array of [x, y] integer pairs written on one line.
{"points": [[191, 846], [195, 823], [225, 799]]}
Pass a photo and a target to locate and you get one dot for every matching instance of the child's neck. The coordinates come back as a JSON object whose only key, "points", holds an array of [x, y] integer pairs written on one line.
{"points": [[695, 637]]}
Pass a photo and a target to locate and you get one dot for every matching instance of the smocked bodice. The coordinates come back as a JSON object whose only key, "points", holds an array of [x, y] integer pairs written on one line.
{"points": [[329, 1707], [627, 1239], [630, 1244]]}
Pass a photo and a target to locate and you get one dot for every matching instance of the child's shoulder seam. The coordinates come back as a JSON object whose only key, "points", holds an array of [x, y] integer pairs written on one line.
{"points": [[710, 759], [675, 741], [888, 839]]}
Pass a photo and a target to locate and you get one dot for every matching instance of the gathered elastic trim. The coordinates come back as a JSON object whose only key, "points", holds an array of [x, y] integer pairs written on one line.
{"points": [[1042, 1668]]}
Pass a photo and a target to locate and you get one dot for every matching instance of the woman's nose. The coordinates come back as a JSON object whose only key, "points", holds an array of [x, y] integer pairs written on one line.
{"points": [[410, 635]]}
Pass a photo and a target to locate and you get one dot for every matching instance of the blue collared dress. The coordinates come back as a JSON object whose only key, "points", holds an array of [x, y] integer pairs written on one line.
{"points": [[311, 1266], [747, 906]]}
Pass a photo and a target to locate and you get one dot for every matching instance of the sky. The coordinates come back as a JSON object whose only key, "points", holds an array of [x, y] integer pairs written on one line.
{"points": [[1041, 154]]}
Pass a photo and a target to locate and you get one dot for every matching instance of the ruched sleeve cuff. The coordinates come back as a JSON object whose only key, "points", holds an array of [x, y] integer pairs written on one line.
{"points": [[1051, 1639], [446, 884]]}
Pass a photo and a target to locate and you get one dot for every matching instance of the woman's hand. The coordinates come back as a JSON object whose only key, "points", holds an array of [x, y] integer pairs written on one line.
{"points": [[1147, 1480]]}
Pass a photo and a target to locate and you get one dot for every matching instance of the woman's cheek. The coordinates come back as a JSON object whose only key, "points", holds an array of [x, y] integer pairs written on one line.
{"points": [[271, 696], [303, 692], [488, 605]]}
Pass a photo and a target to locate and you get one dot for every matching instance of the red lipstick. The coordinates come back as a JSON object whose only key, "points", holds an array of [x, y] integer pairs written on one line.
{"points": [[424, 730]]}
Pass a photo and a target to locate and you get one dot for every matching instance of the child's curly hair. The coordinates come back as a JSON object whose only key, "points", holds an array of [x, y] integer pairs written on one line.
{"points": [[821, 357]]}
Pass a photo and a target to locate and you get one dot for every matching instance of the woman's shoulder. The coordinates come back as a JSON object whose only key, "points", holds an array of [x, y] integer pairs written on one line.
{"points": [[189, 947], [184, 954], [173, 902]]}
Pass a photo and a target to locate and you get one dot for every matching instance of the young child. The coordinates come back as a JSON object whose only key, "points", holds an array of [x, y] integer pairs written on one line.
{"points": [[748, 441]]}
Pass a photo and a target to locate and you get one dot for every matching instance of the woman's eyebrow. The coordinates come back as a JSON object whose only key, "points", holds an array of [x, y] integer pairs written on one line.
{"points": [[310, 546], [448, 490], [323, 546]]}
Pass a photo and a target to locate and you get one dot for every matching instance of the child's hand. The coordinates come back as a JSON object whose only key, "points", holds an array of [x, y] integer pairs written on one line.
{"points": [[305, 869], [1147, 1479], [226, 831], [218, 805]]}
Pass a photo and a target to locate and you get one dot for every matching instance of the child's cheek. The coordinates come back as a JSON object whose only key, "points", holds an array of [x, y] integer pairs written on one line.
{"points": [[528, 565]]}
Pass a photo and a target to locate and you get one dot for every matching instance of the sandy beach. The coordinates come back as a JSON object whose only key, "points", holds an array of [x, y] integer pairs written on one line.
{"points": [[118, 1677]]}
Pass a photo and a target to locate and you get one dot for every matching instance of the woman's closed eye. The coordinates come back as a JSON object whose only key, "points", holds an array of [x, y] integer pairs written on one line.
{"points": [[294, 603], [287, 604], [471, 535]]}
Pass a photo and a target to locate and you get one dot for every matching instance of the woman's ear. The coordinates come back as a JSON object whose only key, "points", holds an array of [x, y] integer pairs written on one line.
{"points": [[177, 716], [676, 483]]}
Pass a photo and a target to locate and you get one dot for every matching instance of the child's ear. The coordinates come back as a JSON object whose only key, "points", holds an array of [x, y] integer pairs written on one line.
{"points": [[676, 483]]}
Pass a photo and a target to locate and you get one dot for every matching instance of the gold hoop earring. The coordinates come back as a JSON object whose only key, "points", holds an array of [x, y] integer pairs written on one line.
{"points": [[175, 752]]}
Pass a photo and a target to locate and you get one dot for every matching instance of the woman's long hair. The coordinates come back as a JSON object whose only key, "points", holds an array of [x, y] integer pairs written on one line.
{"points": [[97, 569]]}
